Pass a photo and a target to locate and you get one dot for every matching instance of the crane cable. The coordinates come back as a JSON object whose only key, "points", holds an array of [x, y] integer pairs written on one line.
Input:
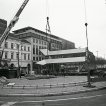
{"points": [[48, 31], [85, 11], [86, 24], [47, 18], [47, 8]]}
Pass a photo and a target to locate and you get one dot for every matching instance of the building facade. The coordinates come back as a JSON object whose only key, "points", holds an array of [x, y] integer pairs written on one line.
{"points": [[3, 25], [17, 52], [35, 40], [67, 44], [39, 40]]}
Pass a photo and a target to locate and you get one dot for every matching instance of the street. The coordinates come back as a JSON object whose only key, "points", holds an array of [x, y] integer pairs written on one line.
{"points": [[95, 98]]}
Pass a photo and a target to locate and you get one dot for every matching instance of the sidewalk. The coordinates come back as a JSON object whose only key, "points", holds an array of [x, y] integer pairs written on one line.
{"points": [[45, 87]]}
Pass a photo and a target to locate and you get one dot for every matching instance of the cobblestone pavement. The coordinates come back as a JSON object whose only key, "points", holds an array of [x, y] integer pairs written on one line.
{"points": [[53, 86]]}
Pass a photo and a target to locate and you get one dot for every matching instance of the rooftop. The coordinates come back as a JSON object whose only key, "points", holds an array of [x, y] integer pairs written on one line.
{"points": [[36, 30], [15, 37], [58, 52], [62, 60]]}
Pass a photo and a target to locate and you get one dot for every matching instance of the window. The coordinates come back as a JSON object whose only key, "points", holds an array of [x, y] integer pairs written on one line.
{"points": [[6, 44], [44, 43], [40, 58], [6, 55], [24, 56], [28, 56], [39, 41], [28, 48], [33, 49], [33, 58], [17, 46], [12, 55], [17, 55], [37, 50], [25, 48], [39, 47], [12, 46], [33, 40], [21, 47], [0, 53], [36, 40], [36, 58]]}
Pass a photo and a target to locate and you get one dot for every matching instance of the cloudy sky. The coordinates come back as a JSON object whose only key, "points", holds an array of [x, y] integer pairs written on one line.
{"points": [[67, 19]]}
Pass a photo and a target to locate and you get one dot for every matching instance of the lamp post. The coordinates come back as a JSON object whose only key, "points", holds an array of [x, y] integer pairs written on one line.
{"points": [[87, 60], [88, 76], [18, 61]]}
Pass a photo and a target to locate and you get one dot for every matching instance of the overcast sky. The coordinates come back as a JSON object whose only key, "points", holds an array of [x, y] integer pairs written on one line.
{"points": [[67, 19]]}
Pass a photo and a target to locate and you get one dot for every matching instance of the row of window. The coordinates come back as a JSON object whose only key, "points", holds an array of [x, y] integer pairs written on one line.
{"points": [[36, 49], [12, 55], [17, 46], [39, 41], [56, 46], [45, 42], [37, 58]]}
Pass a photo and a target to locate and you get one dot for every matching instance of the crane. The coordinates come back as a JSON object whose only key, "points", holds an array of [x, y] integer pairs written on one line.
{"points": [[10, 26]]}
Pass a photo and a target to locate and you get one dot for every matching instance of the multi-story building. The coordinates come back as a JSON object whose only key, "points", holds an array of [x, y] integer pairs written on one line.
{"points": [[3, 25], [39, 40], [67, 44], [17, 52]]}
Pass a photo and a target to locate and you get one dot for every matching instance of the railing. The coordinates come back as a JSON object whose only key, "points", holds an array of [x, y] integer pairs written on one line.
{"points": [[45, 86]]}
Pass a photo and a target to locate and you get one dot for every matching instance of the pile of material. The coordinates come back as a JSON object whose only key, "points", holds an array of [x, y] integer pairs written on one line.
{"points": [[3, 80]]}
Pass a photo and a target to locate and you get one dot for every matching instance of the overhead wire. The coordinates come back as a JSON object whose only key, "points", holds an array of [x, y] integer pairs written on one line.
{"points": [[48, 31], [86, 24], [85, 11], [47, 8]]}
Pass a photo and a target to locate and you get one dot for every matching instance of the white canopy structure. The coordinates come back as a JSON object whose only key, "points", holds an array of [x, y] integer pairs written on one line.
{"points": [[59, 52], [62, 60]]}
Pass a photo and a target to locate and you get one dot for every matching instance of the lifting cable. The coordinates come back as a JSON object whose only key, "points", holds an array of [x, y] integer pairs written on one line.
{"points": [[85, 11], [48, 31], [47, 18], [86, 24]]}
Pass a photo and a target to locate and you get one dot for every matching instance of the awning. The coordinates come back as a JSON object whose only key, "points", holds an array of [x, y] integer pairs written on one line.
{"points": [[59, 52], [43, 62], [62, 60]]}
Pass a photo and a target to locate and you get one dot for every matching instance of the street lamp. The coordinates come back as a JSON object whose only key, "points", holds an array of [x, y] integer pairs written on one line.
{"points": [[18, 61], [87, 60], [88, 76]]}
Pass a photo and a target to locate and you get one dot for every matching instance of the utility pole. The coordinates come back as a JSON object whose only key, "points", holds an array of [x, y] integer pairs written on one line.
{"points": [[87, 51], [18, 61], [87, 59]]}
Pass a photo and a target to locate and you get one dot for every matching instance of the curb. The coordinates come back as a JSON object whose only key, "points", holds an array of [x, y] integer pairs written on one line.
{"points": [[51, 94]]}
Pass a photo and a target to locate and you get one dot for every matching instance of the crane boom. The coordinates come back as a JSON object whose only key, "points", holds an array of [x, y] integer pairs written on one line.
{"points": [[12, 23]]}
